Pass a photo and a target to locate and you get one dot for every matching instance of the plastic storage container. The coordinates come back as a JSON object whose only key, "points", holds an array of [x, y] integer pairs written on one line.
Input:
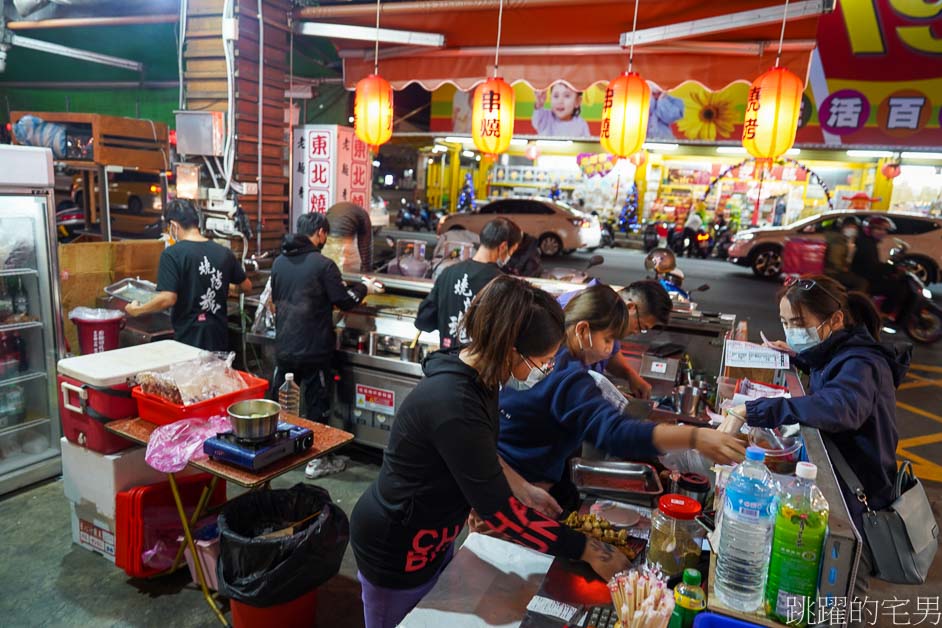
{"points": [[782, 453], [93, 390], [99, 329], [711, 620], [675, 542], [146, 515], [159, 411]]}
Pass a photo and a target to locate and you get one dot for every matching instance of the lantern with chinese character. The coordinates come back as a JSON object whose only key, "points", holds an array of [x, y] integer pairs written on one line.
{"points": [[492, 116], [625, 115], [772, 114], [373, 110]]}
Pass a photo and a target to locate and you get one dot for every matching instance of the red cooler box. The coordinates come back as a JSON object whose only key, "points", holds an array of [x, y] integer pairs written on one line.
{"points": [[93, 390]]}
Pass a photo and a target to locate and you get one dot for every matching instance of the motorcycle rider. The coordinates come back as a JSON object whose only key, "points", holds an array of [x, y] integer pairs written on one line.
{"points": [[840, 252], [880, 277], [691, 228]]}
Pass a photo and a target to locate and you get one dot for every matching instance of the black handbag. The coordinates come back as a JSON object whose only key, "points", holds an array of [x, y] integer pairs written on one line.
{"points": [[903, 538]]}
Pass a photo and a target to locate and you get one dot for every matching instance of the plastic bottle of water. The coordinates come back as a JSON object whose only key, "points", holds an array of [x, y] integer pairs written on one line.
{"points": [[289, 396], [801, 522], [742, 561]]}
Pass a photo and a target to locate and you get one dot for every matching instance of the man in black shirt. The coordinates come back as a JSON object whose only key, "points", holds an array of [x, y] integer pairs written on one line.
{"points": [[350, 240], [305, 287], [193, 278], [444, 307]]}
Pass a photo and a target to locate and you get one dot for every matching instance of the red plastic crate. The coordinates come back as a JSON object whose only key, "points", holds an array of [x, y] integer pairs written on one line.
{"points": [[143, 509], [159, 411], [85, 409]]}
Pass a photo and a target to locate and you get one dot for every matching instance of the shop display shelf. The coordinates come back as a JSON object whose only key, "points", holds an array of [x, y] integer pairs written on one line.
{"points": [[21, 326], [18, 272], [22, 379], [21, 427]]}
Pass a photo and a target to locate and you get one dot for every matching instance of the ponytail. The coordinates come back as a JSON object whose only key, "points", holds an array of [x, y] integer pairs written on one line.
{"points": [[507, 315], [862, 312]]}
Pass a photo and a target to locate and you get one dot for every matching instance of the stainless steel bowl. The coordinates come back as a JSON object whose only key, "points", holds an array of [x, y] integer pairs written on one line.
{"points": [[254, 420]]}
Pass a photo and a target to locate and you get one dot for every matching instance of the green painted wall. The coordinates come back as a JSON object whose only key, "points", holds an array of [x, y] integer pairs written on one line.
{"points": [[154, 104]]}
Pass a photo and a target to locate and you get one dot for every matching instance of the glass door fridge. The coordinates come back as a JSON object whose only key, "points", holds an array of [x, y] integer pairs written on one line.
{"points": [[30, 327]]}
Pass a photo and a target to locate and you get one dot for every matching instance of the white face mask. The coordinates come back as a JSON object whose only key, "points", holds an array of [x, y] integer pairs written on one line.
{"points": [[534, 377], [590, 355], [850, 234]]}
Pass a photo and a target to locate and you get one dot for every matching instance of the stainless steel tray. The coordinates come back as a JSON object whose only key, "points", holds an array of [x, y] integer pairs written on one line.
{"points": [[129, 290], [631, 482]]}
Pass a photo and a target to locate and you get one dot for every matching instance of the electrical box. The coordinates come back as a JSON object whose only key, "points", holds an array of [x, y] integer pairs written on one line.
{"points": [[201, 133]]}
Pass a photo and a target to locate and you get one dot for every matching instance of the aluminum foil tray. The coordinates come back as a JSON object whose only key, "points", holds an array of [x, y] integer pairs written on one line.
{"points": [[132, 290]]}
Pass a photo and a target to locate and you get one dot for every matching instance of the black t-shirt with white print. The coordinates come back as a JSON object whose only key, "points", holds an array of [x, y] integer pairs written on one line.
{"points": [[199, 273]]}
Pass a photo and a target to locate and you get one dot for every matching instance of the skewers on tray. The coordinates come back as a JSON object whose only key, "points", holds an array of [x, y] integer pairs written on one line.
{"points": [[600, 528]]}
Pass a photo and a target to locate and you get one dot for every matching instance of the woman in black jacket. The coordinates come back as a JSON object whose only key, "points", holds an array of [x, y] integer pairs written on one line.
{"points": [[442, 461], [834, 336]]}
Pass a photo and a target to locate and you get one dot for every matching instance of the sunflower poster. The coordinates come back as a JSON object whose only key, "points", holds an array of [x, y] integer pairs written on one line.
{"points": [[688, 112]]}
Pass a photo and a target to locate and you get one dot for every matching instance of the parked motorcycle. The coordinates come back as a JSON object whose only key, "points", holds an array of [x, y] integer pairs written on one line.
{"points": [[608, 231], [650, 236], [416, 217], [663, 263], [703, 243], [915, 313], [722, 240]]}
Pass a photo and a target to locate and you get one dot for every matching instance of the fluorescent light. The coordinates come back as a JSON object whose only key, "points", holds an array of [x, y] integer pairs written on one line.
{"points": [[554, 143], [468, 153], [870, 154], [659, 146], [438, 148], [793, 151], [457, 140], [518, 142], [912, 155], [368, 33], [76, 53], [731, 150]]}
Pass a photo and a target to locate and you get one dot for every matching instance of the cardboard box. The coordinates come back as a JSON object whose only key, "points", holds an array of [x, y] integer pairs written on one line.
{"points": [[136, 258], [91, 530], [86, 257]]}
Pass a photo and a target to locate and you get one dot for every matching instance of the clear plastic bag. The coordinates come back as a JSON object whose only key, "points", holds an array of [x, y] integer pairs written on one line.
{"points": [[186, 383], [95, 314], [172, 447]]}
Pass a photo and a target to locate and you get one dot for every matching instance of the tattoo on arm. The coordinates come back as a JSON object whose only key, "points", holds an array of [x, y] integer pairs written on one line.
{"points": [[606, 552]]}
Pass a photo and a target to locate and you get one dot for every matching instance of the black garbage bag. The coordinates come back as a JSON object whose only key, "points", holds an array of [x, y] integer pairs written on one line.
{"points": [[268, 571]]}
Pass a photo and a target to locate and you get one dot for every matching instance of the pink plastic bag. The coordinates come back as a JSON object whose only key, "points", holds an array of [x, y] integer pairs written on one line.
{"points": [[172, 447]]}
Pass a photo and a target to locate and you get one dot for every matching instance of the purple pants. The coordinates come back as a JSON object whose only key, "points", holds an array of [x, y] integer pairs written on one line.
{"points": [[386, 608]]}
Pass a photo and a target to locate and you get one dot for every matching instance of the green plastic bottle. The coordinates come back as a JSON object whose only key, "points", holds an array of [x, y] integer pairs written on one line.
{"points": [[689, 600], [797, 541]]}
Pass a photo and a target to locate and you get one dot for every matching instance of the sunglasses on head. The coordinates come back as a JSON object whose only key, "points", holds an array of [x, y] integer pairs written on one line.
{"points": [[809, 284]]}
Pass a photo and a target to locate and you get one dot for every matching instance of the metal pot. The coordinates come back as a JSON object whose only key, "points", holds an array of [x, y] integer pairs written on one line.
{"points": [[254, 420], [687, 400]]}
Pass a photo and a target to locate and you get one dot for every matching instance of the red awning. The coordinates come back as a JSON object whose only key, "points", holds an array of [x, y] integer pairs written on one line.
{"points": [[576, 41]]}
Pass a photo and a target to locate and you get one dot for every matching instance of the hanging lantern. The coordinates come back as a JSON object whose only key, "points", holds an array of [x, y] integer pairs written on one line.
{"points": [[492, 116], [532, 151], [373, 110], [638, 159], [625, 115], [772, 114], [891, 169]]}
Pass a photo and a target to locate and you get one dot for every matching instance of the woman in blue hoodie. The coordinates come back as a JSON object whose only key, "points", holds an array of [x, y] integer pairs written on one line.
{"points": [[834, 336], [544, 423]]}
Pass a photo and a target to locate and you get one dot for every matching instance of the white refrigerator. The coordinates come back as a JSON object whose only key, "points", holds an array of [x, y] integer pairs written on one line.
{"points": [[30, 327]]}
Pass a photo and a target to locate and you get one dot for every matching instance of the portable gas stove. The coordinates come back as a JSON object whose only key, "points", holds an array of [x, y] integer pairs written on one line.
{"points": [[287, 440]]}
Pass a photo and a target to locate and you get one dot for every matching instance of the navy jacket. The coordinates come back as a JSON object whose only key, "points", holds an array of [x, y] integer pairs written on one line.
{"points": [[541, 427], [852, 399]]}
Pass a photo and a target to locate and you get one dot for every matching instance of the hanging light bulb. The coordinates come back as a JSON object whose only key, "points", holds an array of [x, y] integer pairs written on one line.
{"points": [[773, 109], [626, 107], [373, 103], [492, 112]]}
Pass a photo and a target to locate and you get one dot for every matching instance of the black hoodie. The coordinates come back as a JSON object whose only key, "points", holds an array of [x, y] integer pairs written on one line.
{"points": [[305, 287], [852, 399], [441, 461]]}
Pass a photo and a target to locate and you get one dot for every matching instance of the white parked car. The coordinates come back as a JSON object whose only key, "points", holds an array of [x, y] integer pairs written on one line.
{"points": [[379, 213], [557, 227], [761, 249]]}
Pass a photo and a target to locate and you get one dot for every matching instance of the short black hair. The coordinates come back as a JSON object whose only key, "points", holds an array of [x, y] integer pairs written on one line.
{"points": [[311, 223], [500, 230], [182, 211], [651, 298], [849, 220]]}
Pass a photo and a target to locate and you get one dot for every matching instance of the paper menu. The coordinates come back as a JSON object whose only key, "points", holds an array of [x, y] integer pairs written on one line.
{"points": [[750, 355]]}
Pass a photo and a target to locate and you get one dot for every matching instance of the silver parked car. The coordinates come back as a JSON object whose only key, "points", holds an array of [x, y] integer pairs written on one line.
{"points": [[761, 249]]}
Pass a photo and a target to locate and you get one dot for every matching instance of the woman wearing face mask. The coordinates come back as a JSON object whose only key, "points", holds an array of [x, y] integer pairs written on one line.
{"points": [[442, 459], [549, 414], [841, 246], [833, 335]]}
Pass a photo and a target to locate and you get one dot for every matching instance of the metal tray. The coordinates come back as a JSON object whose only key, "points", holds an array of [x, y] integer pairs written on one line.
{"points": [[631, 482], [129, 290]]}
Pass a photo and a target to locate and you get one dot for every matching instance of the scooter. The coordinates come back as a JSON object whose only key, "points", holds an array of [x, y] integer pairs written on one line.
{"points": [[410, 217], [723, 239], [608, 232], [704, 243], [650, 236], [916, 313]]}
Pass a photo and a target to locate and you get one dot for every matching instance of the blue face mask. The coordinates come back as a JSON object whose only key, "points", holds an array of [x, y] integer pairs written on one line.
{"points": [[802, 338]]}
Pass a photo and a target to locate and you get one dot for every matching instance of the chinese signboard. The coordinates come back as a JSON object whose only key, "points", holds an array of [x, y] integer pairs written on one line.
{"points": [[330, 166]]}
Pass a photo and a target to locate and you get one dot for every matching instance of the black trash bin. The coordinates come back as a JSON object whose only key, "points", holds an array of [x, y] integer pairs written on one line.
{"points": [[272, 572]]}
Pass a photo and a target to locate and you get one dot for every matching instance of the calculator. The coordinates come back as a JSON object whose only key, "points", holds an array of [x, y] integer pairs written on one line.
{"points": [[600, 617]]}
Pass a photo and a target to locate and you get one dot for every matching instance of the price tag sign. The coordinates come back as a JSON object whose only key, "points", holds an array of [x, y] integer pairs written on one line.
{"points": [[750, 355], [659, 367]]}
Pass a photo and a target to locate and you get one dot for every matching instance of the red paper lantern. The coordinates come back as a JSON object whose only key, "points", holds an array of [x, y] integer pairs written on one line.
{"points": [[532, 151], [639, 158], [373, 110], [492, 116], [890, 170], [772, 113], [625, 115]]}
